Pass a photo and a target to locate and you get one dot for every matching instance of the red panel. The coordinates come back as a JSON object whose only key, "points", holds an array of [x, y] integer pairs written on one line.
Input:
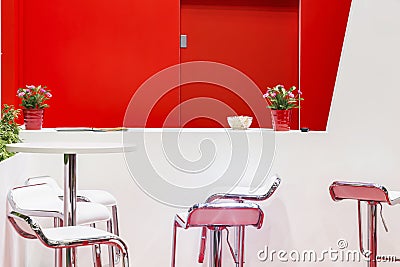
{"points": [[323, 26], [9, 25], [258, 37], [93, 55]]}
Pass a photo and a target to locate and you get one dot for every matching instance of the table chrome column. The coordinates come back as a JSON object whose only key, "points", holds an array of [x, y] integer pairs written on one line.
{"points": [[70, 201]]}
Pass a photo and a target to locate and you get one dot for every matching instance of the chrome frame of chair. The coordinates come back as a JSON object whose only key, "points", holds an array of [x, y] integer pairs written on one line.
{"points": [[112, 226], [38, 234], [216, 231], [371, 251], [58, 222], [242, 197]]}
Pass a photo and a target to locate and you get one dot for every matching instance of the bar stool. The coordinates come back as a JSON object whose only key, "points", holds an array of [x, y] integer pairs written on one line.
{"points": [[96, 196], [41, 201], [220, 212], [66, 237], [372, 195]]}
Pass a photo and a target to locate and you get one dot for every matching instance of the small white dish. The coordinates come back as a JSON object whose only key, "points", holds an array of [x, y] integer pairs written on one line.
{"points": [[239, 122]]}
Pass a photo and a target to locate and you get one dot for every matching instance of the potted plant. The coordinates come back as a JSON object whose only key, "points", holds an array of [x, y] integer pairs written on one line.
{"points": [[33, 103], [281, 101], [9, 130]]}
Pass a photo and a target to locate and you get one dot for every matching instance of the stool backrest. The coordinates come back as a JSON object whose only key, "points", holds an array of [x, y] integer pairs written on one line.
{"points": [[45, 180], [358, 191], [225, 214], [263, 193], [35, 200]]}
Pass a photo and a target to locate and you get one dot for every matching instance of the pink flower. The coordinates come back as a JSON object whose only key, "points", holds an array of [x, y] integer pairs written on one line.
{"points": [[21, 94], [48, 94], [30, 86], [291, 94], [299, 92], [273, 94], [28, 91], [42, 90], [266, 95]]}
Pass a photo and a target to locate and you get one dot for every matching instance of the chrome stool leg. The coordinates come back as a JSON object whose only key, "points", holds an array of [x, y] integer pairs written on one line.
{"points": [[96, 255], [203, 240], [58, 253], [110, 248], [216, 247], [174, 244], [239, 246], [96, 251], [372, 240], [114, 214]]}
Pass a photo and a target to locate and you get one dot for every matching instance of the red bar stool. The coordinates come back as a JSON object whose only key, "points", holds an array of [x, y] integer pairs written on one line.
{"points": [[221, 212], [217, 217], [372, 195]]}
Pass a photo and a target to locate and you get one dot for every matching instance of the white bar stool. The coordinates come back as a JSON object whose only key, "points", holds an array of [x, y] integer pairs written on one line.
{"points": [[41, 201], [66, 237], [373, 195], [96, 196]]}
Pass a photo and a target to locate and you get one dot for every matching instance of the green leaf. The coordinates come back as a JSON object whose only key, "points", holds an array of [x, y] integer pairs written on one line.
{"points": [[9, 130]]}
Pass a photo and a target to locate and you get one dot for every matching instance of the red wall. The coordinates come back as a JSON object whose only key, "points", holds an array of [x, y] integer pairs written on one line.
{"points": [[9, 48], [94, 55], [323, 26]]}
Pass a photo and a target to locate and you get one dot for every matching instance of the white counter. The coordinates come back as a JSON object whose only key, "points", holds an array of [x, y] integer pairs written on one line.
{"points": [[300, 210]]}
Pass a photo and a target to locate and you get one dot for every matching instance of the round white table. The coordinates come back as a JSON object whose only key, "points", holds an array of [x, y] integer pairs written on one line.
{"points": [[70, 150]]}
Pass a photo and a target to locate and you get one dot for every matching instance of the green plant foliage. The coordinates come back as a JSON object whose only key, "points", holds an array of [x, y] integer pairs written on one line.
{"points": [[9, 130], [280, 98], [33, 97]]}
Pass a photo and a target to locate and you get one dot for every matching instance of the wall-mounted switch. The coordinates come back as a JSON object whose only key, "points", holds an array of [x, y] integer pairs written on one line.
{"points": [[183, 41]]}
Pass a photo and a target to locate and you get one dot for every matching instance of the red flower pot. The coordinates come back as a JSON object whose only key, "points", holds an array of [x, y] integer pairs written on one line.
{"points": [[33, 118], [281, 119]]}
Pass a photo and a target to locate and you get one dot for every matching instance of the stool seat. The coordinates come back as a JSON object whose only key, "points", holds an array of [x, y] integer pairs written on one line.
{"points": [[87, 213], [364, 192], [68, 235], [221, 214]]}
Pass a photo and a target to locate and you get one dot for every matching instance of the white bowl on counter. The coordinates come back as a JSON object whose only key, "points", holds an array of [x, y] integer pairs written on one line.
{"points": [[239, 122]]}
